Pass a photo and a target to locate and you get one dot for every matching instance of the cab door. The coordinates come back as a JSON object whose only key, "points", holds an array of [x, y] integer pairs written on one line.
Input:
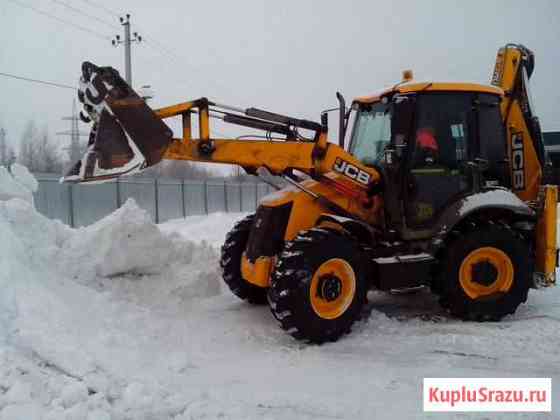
{"points": [[438, 149]]}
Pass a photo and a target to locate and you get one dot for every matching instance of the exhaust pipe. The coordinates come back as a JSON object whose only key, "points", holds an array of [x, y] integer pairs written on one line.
{"points": [[341, 119]]}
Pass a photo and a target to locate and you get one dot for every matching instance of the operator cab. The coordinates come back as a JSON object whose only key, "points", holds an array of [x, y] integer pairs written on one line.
{"points": [[433, 143]]}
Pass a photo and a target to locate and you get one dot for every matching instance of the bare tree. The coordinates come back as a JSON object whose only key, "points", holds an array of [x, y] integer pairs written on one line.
{"points": [[7, 155], [28, 155], [49, 157], [38, 152]]}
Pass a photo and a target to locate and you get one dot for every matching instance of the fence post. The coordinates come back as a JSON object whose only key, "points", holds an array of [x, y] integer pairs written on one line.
{"points": [[205, 197], [240, 197], [183, 198], [71, 205], [118, 191], [156, 189], [225, 197]]}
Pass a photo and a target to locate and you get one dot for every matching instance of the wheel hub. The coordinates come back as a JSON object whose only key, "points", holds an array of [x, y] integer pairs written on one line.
{"points": [[484, 273], [329, 288]]}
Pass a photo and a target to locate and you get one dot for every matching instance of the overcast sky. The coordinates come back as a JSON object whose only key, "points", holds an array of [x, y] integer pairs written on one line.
{"points": [[289, 56]]}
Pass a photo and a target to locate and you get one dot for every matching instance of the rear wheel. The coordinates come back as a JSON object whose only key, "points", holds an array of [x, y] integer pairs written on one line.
{"points": [[486, 274], [319, 285], [230, 261]]}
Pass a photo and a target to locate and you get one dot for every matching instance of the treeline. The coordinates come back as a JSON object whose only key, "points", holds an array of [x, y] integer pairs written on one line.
{"points": [[38, 152], [35, 150]]}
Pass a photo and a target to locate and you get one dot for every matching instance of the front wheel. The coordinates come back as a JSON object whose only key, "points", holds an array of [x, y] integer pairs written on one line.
{"points": [[318, 288], [230, 261]]}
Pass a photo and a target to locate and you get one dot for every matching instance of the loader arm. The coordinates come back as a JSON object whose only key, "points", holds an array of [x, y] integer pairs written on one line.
{"points": [[315, 158], [128, 136]]}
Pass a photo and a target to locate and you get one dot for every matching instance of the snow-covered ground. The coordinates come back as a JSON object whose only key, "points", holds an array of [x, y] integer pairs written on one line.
{"points": [[128, 320]]}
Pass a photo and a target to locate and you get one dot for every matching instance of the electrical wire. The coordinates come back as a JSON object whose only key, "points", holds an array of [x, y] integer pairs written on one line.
{"points": [[170, 54], [51, 16], [44, 82], [81, 12], [157, 46], [101, 7]]}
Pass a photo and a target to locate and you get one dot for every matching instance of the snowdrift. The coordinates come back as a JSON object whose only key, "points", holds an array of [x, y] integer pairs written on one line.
{"points": [[53, 318], [18, 182]]}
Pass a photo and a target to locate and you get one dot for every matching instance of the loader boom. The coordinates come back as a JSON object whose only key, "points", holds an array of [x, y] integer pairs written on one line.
{"points": [[126, 128], [315, 158]]}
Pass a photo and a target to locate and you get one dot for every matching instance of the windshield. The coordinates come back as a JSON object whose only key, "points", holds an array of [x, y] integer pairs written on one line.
{"points": [[372, 132]]}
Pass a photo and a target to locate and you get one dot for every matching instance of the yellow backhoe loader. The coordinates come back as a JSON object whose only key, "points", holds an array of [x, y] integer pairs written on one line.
{"points": [[436, 184]]}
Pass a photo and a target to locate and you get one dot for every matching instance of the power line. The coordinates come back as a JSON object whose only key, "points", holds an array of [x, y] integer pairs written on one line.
{"points": [[158, 46], [44, 82], [41, 12], [168, 53], [81, 12], [101, 7]]}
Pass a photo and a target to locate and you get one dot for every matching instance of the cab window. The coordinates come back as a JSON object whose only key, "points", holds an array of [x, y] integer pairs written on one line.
{"points": [[372, 133], [442, 130]]}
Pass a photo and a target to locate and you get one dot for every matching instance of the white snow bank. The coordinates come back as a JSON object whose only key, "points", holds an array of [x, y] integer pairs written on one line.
{"points": [[40, 238], [125, 241], [24, 177], [73, 339], [211, 228], [20, 183]]}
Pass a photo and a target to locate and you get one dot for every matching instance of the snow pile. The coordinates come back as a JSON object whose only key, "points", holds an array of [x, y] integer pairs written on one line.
{"points": [[68, 295], [130, 255], [20, 183], [40, 238], [125, 241], [210, 229]]}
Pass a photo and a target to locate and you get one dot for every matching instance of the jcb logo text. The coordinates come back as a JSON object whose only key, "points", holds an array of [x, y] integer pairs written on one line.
{"points": [[351, 171]]}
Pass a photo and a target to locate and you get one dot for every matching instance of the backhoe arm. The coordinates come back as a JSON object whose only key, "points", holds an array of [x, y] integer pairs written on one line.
{"points": [[513, 69]]}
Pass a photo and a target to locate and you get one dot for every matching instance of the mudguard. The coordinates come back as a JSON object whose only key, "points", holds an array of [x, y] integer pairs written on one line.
{"points": [[361, 230], [496, 199]]}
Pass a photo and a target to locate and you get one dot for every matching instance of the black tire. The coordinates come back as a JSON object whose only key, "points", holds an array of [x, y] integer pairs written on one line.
{"points": [[289, 294], [494, 306], [230, 261]]}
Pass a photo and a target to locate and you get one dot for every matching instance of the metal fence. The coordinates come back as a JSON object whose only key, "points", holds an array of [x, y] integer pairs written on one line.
{"points": [[164, 199]]}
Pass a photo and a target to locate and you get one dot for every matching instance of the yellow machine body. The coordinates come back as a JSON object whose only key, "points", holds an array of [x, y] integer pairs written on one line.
{"points": [[331, 192]]}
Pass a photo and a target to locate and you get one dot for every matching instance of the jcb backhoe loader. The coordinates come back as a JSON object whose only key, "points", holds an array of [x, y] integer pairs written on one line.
{"points": [[440, 185]]}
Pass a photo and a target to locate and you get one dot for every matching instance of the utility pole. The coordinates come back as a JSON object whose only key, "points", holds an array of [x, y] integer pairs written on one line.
{"points": [[128, 40], [76, 149]]}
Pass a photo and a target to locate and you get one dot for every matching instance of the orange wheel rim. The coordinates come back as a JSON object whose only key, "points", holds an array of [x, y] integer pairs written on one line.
{"points": [[332, 288], [477, 285]]}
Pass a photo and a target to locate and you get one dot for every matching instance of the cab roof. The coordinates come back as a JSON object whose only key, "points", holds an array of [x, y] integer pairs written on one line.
{"points": [[412, 87]]}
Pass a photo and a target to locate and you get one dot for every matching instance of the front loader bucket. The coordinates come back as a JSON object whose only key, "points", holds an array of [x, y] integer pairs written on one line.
{"points": [[126, 137]]}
